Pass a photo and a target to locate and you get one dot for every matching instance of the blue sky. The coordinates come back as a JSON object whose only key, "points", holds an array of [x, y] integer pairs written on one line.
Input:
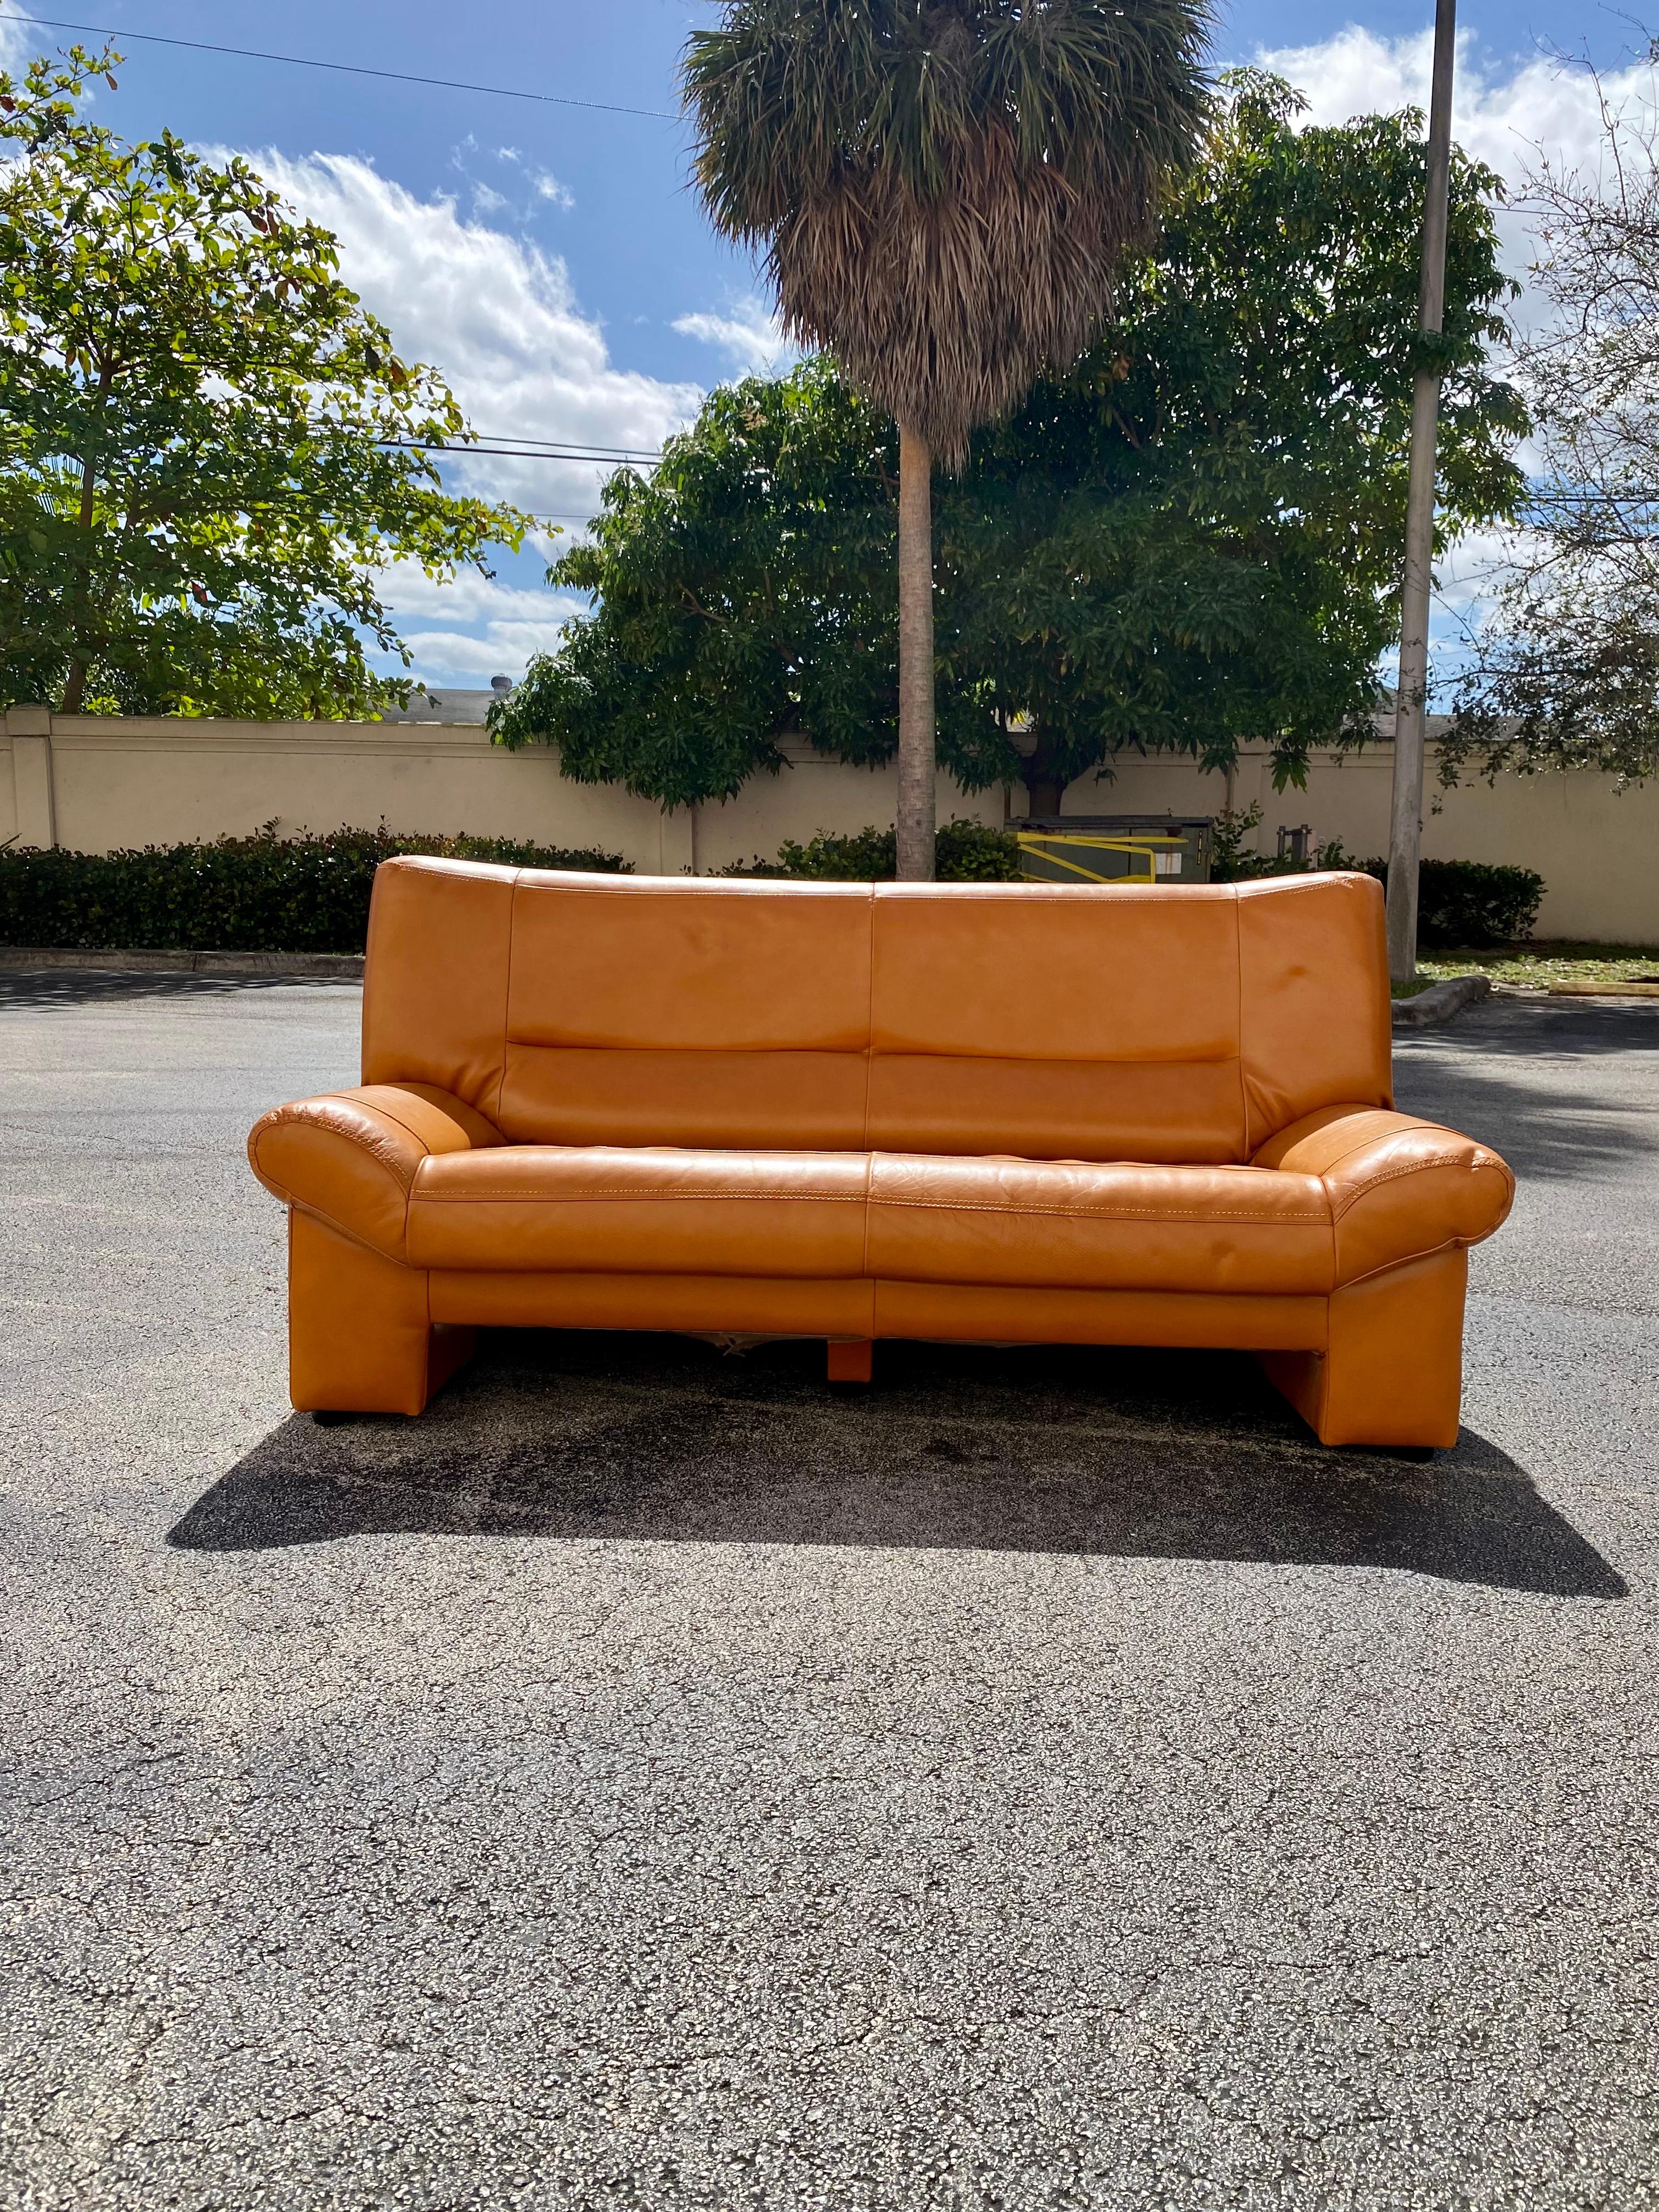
{"points": [[553, 261]]}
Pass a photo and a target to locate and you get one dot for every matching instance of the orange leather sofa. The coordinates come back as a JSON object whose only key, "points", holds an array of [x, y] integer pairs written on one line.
{"points": [[994, 1112]]}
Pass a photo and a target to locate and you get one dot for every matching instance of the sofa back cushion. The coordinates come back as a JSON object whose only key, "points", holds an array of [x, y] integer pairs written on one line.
{"points": [[1149, 1024], [691, 1012], [1063, 1025]]}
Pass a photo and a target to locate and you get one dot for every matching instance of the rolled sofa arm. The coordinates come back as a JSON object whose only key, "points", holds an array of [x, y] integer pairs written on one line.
{"points": [[349, 1156], [1398, 1187]]}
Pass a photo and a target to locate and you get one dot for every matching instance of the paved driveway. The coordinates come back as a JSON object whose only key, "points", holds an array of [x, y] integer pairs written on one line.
{"points": [[1050, 1780]]}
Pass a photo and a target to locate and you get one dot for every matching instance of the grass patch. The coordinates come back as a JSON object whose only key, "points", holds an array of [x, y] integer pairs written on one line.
{"points": [[1535, 966]]}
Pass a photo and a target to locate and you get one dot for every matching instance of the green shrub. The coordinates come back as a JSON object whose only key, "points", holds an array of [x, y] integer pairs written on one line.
{"points": [[1233, 862], [258, 894], [1465, 903], [964, 853], [1459, 902]]}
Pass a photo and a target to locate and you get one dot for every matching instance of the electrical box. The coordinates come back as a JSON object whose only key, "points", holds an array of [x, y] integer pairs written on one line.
{"points": [[1115, 848]]}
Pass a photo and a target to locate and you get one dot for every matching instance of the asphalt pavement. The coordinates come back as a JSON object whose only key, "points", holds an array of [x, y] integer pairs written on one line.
{"points": [[653, 1779]]}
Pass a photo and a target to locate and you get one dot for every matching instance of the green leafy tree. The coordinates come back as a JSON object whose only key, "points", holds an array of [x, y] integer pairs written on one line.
{"points": [[945, 190], [745, 595], [1194, 540], [209, 451], [1191, 541]]}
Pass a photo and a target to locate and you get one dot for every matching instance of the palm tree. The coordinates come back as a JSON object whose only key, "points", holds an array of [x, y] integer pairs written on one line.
{"points": [[945, 189]]}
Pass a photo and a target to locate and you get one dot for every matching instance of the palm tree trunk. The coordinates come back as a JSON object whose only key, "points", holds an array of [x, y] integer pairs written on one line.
{"points": [[915, 823]]}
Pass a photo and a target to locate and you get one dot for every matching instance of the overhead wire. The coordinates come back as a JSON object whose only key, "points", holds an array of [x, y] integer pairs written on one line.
{"points": [[348, 69], [535, 449], [532, 449]]}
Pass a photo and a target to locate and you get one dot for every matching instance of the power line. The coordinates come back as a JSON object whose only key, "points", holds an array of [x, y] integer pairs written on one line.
{"points": [[535, 449], [348, 69]]}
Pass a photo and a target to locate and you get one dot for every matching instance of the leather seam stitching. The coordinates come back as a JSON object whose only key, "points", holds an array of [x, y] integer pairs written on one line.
{"points": [[852, 1198], [398, 1121], [1359, 1143], [1096, 1214], [1392, 1174], [627, 1191], [348, 1235], [286, 1118]]}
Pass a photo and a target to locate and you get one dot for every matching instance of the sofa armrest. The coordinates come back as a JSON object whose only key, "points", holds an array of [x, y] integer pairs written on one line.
{"points": [[1399, 1187], [350, 1155]]}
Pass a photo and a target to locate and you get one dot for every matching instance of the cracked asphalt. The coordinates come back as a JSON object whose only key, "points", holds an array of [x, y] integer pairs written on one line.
{"points": [[655, 1780]]}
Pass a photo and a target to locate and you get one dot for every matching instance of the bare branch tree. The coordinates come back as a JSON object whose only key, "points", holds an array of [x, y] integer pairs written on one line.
{"points": [[1566, 672]]}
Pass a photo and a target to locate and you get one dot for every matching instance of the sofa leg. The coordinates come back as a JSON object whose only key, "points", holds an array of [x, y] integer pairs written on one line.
{"points": [[1393, 1371], [850, 1359], [359, 1339]]}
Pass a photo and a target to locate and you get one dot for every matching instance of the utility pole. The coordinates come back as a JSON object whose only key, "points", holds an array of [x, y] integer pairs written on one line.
{"points": [[1411, 700]]}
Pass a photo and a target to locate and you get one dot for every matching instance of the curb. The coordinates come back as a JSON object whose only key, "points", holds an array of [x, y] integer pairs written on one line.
{"points": [[1440, 1002], [315, 966]]}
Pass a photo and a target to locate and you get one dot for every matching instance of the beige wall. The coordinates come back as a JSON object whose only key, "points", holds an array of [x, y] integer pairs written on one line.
{"points": [[1596, 847], [93, 783]]}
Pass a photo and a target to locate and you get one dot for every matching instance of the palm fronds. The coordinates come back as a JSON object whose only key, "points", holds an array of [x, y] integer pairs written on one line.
{"points": [[945, 189]]}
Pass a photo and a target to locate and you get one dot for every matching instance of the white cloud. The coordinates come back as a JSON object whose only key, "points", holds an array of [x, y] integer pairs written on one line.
{"points": [[1544, 110], [19, 44], [475, 626], [1508, 121], [749, 335], [498, 317], [543, 183], [503, 649]]}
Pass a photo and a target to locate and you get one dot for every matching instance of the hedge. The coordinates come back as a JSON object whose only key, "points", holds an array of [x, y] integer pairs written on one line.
{"points": [[964, 853], [1464, 903], [1459, 902], [258, 894], [270, 894]]}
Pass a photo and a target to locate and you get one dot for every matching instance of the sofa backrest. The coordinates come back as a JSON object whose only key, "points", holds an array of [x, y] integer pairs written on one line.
{"points": [[1159, 1024]]}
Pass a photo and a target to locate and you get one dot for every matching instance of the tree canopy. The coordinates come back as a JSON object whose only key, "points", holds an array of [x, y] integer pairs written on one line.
{"points": [[947, 191], [1194, 541], [209, 450], [1191, 541]]}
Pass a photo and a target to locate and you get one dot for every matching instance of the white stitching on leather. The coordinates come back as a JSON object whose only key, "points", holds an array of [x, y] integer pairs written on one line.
{"points": [[852, 1198], [290, 1117], [1098, 1212], [629, 1190], [1407, 1167], [1378, 1137]]}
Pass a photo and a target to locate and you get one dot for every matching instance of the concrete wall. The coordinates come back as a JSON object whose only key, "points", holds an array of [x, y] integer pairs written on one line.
{"points": [[1596, 847], [92, 783]]}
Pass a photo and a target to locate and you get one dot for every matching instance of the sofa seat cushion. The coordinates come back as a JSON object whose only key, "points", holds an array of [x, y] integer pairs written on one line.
{"points": [[646, 1209], [1087, 1225], [911, 1218], [421, 1177]]}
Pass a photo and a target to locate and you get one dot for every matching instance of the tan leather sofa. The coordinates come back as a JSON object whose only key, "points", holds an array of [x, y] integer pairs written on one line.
{"points": [[983, 1112]]}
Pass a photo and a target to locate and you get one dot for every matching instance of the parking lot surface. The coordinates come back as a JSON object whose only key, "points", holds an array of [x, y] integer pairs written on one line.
{"points": [[653, 1779]]}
